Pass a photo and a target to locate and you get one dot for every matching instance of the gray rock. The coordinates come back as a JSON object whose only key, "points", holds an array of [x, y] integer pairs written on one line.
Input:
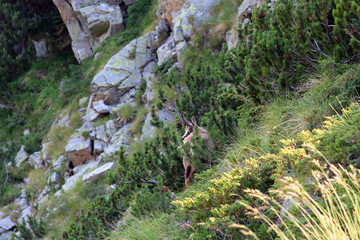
{"points": [[45, 151], [79, 172], [58, 162], [101, 107], [106, 167], [35, 160], [246, 7], [121, 138], [123, 70], [110, 128], [162, 28], [231, 38], [54, 178], [21, 202], [99, 133], [63, 121], [6, 224], [178, 35], [166, 51], [102, 18], [40, 48], [99, 147], [196, 10], [6, 236], [91, 115], [23, 192], [78, 150], [180, 48], [24, 215], [21, 157], [148, 131], [89, 23]]}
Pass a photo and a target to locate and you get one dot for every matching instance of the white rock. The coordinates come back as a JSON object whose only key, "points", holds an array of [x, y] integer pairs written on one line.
{"points": [[21, 157], [80, 170], [21, 202], [166, 51], [57, 163], [24, 215], [6, 236], [91, 115], [35, 160], [98, 171], [101, 107], [6, 224], [54, 178]]}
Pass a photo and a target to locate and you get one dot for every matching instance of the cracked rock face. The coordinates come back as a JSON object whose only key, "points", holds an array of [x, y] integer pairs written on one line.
{"points": [[124, 70], [90, 22]]}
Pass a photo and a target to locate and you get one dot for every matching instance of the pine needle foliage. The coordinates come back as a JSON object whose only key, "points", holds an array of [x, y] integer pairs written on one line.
{"points": [[286, 41]]}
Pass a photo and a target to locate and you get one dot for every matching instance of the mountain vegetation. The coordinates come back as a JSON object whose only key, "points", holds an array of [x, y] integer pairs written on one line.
{"points": [[282, 110]]}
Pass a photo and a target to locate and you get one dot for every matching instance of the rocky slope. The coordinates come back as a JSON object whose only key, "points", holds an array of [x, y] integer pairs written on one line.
{"points": [[112, 90]]}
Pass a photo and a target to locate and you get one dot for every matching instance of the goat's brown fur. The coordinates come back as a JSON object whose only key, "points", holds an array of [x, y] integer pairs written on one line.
{"points": [[189, 134]]}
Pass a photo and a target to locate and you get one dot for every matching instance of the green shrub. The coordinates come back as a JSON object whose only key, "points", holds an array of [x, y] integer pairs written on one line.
{"points": [[37, 229], [149, 200], [283, 44], [96, 218], [85, 134], [32, 142]]}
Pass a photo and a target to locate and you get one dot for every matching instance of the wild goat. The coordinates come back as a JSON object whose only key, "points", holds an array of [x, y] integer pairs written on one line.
{"points": [[189, 134]]}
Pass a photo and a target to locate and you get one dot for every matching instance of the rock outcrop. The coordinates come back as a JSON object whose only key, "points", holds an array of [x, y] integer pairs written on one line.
{"points": [[244, 17], [183, 16], [40, 48], [6, 224], [21, 157], [90, 22]]}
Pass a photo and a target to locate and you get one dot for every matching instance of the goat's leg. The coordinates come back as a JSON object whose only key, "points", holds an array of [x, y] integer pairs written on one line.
{"points": [[192, 171], [187, 174]]}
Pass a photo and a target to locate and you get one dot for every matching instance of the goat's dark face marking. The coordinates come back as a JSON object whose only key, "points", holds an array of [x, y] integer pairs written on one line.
{"points": [[188, 130]]}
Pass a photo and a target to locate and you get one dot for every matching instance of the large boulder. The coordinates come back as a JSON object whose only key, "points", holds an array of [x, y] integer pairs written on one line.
{"points": [[123, 71], [90, 22], [106, 167], [183, 17], [78, 150]]}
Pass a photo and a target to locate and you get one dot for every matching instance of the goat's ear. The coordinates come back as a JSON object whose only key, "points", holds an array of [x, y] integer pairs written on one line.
{"points": [[193, 120]]}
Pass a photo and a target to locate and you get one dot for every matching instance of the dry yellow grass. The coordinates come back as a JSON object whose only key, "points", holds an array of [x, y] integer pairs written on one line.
{"points": [[335, 215]]}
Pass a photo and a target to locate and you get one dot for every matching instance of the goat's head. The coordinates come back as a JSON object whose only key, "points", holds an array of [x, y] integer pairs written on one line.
{"points": [[189, 126]]}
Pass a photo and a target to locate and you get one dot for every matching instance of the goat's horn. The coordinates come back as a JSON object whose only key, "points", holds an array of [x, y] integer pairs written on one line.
{"points": [[183, 119]]}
